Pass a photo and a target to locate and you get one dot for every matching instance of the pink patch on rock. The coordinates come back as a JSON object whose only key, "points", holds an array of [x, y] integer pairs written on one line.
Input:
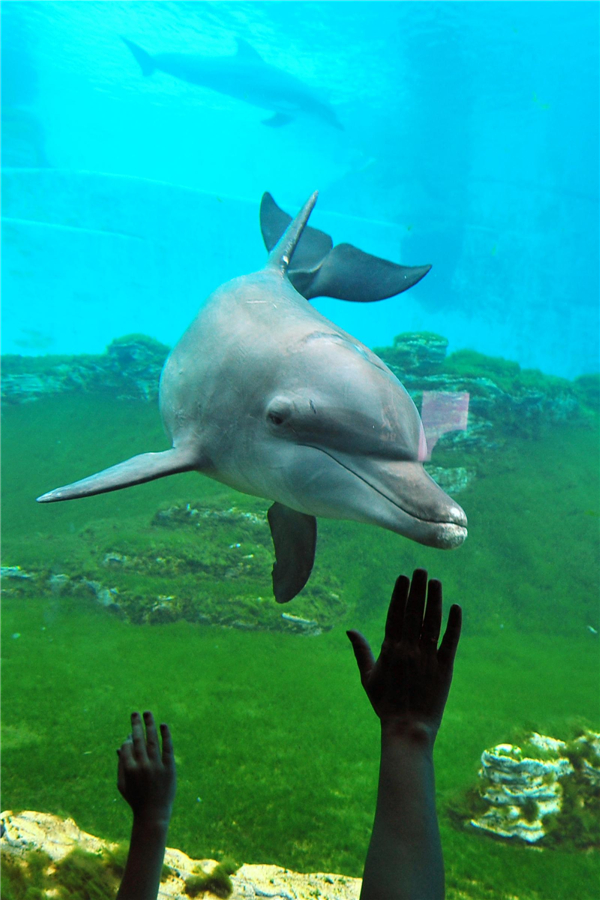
{"points": [[441, 412]]}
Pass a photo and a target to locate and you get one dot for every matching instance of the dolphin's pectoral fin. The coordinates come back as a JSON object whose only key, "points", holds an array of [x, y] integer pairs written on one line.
{"points": [[348, 273], [295, 539], [137, 470], [278, 119], [313, 245]]}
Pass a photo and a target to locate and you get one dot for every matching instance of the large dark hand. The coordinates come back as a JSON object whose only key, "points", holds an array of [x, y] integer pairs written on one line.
{"points": [[409, 684], [146, 776]]}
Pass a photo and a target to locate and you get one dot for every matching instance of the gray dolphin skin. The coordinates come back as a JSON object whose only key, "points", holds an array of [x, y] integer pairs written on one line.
{"points": [[318, 269], [266, 395], [244, 75]]}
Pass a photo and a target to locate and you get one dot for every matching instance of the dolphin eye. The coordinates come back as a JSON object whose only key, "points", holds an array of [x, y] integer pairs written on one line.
{"points": [[279, 411]]}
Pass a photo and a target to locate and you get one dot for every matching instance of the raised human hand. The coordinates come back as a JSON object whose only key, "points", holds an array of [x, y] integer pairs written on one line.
{"points": [[409, 683], [146, 777]]}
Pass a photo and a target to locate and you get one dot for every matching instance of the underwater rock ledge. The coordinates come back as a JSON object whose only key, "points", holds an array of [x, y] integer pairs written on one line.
{"points": [[504, 399], [34, 832], [204, 565], [130, 368]]}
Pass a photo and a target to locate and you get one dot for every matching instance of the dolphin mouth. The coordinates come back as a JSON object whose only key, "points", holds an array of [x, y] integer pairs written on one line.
{"points": [[445, 533]]}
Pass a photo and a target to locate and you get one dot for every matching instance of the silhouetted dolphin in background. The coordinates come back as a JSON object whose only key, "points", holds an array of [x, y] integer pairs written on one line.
{"points": [[266, 395], [245, 76], [318, 269]]}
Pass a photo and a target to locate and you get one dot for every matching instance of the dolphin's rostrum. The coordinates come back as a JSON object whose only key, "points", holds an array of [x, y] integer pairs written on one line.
{"points": [[266, 395]]}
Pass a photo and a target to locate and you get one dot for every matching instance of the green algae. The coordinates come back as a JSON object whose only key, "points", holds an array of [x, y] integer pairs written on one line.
{"points": [[80, 875], [216, 882], [25, 878]]}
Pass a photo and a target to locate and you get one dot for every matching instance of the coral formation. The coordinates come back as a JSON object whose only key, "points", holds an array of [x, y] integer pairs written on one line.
{"points": [[542, 791]]}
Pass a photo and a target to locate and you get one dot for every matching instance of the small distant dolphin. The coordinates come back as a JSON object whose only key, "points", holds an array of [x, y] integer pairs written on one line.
{"points": [[245, 76], [266, 395]]}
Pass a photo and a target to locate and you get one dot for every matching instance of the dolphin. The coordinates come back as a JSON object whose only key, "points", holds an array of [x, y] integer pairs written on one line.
{"points": [[266, 395], [244, 75], [318, 269]]}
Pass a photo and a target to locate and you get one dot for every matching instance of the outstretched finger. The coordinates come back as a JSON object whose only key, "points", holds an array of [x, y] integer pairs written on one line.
{"points": [[415, 604], [152, 747], [363, 654], [395, 614], [168, 757], [449, 644], [125, 752], [121, 771], [139, 741], [432, 621]]}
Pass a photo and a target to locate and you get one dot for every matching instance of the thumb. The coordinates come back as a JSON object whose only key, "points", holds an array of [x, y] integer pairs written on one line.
{"points": [[363, 654]]}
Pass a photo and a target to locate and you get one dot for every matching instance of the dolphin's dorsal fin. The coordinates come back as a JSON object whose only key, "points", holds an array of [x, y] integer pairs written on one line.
{"points": [[313, 246], [137, 470], [246, 51], [282, 252], [147, 64]]}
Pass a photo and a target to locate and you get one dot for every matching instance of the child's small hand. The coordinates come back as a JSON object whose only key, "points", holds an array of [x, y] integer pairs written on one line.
{"points": [[146, 776]]}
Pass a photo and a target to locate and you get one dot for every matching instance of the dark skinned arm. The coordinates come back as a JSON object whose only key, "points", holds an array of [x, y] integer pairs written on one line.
{"points": [[147, 782], [408, 687]]}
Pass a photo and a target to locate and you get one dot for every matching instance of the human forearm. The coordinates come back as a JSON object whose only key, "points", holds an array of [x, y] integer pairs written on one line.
{"points": [[408, 687], [144, 862], [404, 860]]}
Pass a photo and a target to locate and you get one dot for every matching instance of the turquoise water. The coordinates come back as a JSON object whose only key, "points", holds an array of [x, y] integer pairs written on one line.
{"points": [[461, 135]]}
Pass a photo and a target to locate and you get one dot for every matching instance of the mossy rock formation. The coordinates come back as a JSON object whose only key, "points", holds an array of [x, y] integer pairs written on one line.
{"points": [[204, 565], [504, 399]]}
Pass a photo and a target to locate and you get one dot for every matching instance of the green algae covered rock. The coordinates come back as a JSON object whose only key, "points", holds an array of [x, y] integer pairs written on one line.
{"points": [[47, 856], [130, 369], [417, 352], [587, 388], [504, 400], [205, 565]]}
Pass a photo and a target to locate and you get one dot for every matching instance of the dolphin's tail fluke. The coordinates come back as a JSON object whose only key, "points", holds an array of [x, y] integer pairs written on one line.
{"points": [[318, 269], [146, 62], [281, 254], [348, 273], [137, 470]]}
